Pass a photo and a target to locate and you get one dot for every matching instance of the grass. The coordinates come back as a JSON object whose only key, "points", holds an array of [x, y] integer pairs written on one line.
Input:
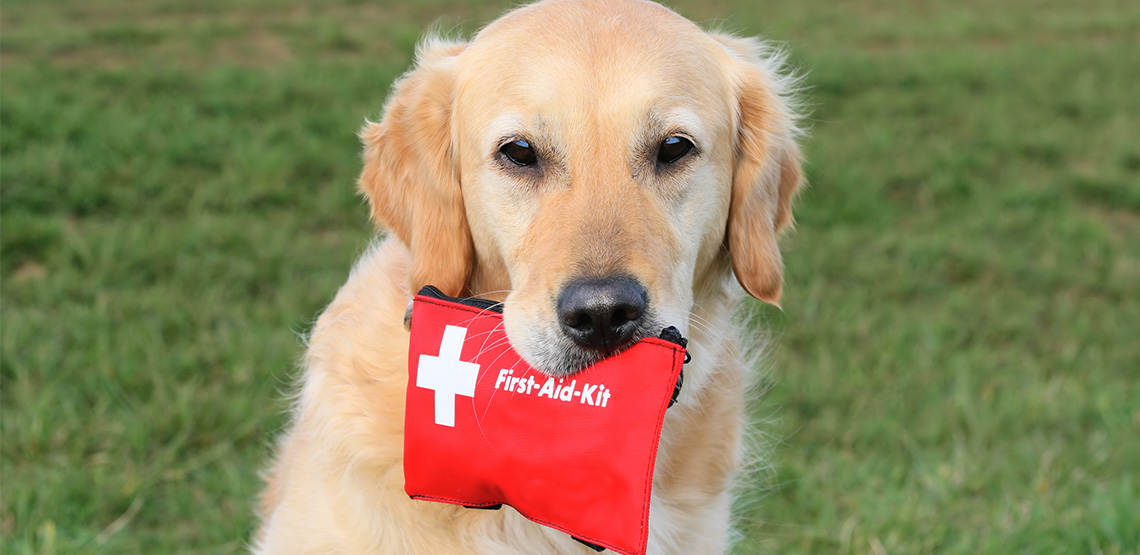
{"points": [[956, 367]]}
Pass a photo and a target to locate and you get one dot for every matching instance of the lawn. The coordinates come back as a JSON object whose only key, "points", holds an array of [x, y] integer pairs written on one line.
{"points": [[956, 369]]}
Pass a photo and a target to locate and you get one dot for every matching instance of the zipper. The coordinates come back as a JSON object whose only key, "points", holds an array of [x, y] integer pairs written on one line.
{"points": [[433, 292]]}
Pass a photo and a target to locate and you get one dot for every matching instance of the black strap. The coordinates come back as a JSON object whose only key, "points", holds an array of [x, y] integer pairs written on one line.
{"points": [[595, 547], [485, 507]]}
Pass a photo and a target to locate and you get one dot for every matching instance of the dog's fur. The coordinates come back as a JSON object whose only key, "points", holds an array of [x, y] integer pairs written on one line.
{"points": [[595, 86]]}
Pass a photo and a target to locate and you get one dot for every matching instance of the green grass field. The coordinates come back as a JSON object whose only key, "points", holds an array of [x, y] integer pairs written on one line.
{"points": [[957, 369]]}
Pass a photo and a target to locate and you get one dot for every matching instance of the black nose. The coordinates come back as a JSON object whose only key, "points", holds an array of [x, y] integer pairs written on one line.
{"points": [[602, 313]]}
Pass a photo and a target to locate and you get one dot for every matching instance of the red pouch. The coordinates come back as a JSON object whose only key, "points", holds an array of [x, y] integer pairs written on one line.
{"points": [[483, 429]]}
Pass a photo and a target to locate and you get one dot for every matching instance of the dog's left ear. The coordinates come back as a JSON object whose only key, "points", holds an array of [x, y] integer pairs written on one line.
{"points": [[410, 176], [767, 171]]}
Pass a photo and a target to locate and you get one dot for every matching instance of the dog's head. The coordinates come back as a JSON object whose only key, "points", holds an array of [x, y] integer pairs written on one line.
{"points": [[602, 164]]}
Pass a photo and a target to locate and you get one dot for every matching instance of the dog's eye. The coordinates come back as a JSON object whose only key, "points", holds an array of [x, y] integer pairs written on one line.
{"points": [[673, 149], [519, 152]]}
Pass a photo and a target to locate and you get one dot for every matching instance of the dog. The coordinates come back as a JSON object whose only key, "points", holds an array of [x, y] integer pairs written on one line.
{"points": [[603, 168]]}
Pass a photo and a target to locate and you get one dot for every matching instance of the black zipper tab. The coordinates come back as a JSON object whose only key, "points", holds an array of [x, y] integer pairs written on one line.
{"points": [[673, 335]]}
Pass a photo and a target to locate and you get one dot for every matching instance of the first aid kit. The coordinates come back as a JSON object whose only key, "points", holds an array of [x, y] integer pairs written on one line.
{"points": [[483, 429]]}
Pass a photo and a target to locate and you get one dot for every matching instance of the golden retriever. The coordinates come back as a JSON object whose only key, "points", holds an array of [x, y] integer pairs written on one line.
{"points": [[602, 167]]}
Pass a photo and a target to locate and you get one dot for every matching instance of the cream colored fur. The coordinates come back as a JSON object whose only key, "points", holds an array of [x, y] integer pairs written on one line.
{"points": [[589, 83]]}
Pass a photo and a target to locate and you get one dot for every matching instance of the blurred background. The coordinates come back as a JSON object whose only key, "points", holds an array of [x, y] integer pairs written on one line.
{"points": [[955, 369]]}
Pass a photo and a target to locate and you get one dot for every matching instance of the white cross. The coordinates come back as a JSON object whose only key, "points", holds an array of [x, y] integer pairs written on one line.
{"points": [[447, 375]]}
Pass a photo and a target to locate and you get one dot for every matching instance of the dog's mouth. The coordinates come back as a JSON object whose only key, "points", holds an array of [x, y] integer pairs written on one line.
{"points": [[553, 353], [593, 318]]}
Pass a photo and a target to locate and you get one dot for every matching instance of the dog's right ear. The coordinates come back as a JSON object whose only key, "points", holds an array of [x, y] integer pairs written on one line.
{"points": [[410, 175]]}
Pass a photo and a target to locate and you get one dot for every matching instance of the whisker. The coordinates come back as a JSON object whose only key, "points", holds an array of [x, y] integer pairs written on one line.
{"points": [[495, 292]]}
